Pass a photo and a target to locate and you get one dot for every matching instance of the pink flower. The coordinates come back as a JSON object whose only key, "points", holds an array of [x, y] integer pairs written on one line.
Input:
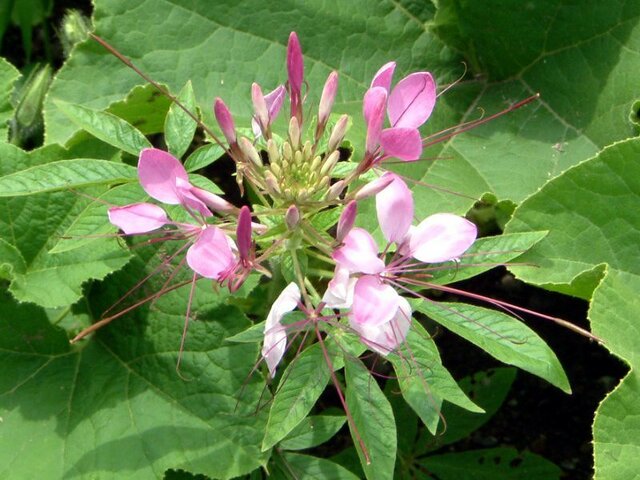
{"points": [[409, 105], [377, 312], [163, 178], [267, 108], [275, 335]]}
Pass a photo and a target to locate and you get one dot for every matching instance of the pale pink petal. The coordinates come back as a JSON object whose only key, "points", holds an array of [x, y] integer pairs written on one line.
{"points": [[211, 255], [346, 220], [328, 97], [339, 293], [373, 109], [359, 253], [442, 237], [259, 106], [190, 201], [383, 77], [394, 206], [158, 172], [374, 302], [373, 187], [412, 100], [388, 336], [275, 336], [275, 99], [400, 142], [213, 201], [138, 218]]}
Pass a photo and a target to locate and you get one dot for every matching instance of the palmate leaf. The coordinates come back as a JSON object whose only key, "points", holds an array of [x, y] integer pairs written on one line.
{"points": [[592, 251], [115, 406], [33, 224]]}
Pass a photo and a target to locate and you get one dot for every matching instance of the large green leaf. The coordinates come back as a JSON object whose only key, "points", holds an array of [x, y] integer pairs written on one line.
{"points": [[591, 214], [114, 406], [33, 225], [8, 76]]}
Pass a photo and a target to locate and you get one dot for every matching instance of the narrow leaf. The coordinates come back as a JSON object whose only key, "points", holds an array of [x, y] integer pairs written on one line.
{"points": [[313, 431], [203, 157], [179, 127], [314, 468], [107, 127]]}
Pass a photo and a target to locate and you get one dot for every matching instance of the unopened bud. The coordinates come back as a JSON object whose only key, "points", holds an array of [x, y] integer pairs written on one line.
{"points": [[338, 133], [335, 190], [327, 98], [292, 217], [329, 163], [260, 107], [272, 150], [250, 151], [225, 120], [74, 29], [294, 132], [271, 182], [346, 221], [374, 187], [243, 233]]}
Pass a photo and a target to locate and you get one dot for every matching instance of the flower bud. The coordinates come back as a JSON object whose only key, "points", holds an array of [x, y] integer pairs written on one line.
{"points": [[335, 190], [346, 221], [374, 187], [250, 151], [225, 120], [294, 132], [213, 201], [338, 132], [271, 183], [260, 107], [243, 233], [329, 163], [327, 98], [292, 217]]}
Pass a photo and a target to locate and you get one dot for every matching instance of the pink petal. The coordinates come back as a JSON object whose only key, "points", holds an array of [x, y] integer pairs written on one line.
{"points": [[412, 100], [225, 120], [211, 256], [383, 77], [158, 172], [394, 206], [328, 96], [274, 100], [243, 233], [388, 336], [339, 293], [400, 142], [374, 302], [260, 106], [275, 336], [373, 187], [359, 253], [212, 200], [189, 200], [346, 220], [373, 108], [138, 218], [442, 237]]}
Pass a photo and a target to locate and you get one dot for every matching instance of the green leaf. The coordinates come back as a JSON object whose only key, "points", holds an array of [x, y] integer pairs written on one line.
{"points": [[33, 224], [502, 336], [119, 392], [107, 127], [424, 381], [203, 157], [373, 428], [179, 127], [8, 77], [592, 250], [313, 431], [65, 175], [486, 253], [144, 107], [253, 334], [303, 381], [11, 261], [491, 463], [306, 466], [488, 389]]}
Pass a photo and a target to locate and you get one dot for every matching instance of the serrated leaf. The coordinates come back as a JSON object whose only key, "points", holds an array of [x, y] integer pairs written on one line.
{"points": [[424, 381], [304, 380], [107, 127], [373, 422], [179, 127], [491, 463], [501, 336], [65, 175], [313, 431]]}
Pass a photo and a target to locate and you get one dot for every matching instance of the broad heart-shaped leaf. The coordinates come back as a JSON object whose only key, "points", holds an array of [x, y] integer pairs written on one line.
{"points": [[591, 214], [178, 126], [8, 76], [501, 336], [65, 175], [491, 464], [424, 381], [374, 427], [33, 225], [114, 406], [236, 44], [107, 127], [302, 382]]}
